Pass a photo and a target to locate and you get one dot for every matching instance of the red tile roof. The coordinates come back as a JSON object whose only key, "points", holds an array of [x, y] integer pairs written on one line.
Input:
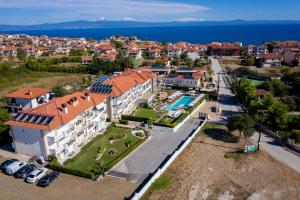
{"points": [[28, 93], [54, 108]]}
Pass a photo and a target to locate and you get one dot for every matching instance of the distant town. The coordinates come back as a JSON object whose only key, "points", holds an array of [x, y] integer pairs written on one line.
{"points": [[122, 111]]}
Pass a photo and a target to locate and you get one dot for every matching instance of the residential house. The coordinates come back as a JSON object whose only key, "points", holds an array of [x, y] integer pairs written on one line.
{"points": [[270, 60], [27, 98], [60, 127]]}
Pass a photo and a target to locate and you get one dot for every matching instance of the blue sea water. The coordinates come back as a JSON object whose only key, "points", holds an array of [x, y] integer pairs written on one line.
{"points": [[248, 34], [183, 101]]}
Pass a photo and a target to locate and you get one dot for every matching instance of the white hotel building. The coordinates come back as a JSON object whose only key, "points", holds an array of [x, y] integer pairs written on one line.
{"points": [[64, 125]]}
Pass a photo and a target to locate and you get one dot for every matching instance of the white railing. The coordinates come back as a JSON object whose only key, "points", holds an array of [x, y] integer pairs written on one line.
{"points": [[141, 191]]}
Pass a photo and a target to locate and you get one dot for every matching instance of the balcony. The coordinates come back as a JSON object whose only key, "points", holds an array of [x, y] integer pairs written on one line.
{"points": [[71, 142], [79, 122], [80, 133]]}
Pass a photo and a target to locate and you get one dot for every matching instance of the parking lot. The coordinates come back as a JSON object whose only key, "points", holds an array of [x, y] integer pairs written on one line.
{"points": [[65, 187]]}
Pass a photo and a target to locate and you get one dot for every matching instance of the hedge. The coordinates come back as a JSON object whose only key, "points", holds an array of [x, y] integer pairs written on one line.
{"points": [[122, 121], [134, 118], [54, 165]]}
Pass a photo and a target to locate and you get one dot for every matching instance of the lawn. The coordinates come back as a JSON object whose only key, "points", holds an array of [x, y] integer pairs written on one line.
{"points": [[148, 113], [86, 159], [212, 126]]}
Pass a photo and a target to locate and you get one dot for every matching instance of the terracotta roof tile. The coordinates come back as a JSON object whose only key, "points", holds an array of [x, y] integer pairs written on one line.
{"points": [[28, 93]]}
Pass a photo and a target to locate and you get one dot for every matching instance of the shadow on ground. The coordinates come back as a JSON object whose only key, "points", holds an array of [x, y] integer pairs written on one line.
{"points": [[221, 134]]}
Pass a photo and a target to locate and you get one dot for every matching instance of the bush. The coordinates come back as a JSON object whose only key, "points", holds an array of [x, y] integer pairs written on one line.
{"points": [[54, 165], [122, 121], [134, 118]]}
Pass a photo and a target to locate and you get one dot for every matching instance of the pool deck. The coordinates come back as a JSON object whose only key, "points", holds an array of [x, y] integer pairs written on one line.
{"points": [[173, 105]]}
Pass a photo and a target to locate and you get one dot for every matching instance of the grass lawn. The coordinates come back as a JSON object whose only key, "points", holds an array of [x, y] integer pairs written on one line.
{"points": [[211, 126], [149, 113], [167, 120], [86, 158]]}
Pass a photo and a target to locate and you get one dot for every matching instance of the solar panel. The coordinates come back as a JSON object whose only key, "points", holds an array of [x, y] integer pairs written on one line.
{"points": [[43, 119], [35, 119], [101, 79], [101, 88], [22, 117], [17, 116], [49, 120], [29, 118]]}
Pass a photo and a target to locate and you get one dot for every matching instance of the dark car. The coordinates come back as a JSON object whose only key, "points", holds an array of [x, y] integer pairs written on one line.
{"points": [[6, 163], [49, 178], [24, 171]]}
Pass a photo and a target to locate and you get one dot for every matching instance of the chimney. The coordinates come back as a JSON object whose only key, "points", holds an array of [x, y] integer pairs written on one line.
{"points": [[74, 101], [87, 96], [30, 93], [65, 108]]}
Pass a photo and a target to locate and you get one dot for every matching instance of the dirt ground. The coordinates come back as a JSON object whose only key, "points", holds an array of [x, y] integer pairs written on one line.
{"points": [[65, 187], [202, 172]]}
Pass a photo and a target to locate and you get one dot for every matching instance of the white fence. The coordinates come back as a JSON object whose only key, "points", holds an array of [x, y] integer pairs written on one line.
{"points": [[165, 164]]}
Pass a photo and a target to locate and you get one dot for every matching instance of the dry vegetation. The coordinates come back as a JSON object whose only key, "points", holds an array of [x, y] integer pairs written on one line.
{"points": [[203, 172]]}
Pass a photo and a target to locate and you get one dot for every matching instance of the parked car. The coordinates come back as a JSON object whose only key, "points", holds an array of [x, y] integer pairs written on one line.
{"points": [[6, 163], [24, 171], [36, 175], [13, 167], [49, 178]]}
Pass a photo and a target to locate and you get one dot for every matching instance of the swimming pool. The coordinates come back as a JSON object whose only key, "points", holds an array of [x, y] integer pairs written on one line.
{"points": [[183, 101]]}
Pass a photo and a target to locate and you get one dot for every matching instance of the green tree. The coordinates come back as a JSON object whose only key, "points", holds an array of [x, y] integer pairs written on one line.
{"points": [[198, 63], [277, 116], [243, 123], [59, 91], [76, 52], [21, 54], [176, 60], [245, 91], [249, 60], [279, 88]]}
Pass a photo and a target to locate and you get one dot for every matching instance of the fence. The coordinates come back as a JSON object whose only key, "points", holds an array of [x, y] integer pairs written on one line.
{"points": [[145, 185]]}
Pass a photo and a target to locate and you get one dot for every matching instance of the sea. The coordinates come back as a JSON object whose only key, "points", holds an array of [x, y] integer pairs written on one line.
{"points": [[247, 34]]}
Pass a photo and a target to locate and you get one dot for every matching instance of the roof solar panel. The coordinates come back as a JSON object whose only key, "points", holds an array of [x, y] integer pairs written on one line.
{"points": [[35, 119], [29, 118], [43, 119], [22, 117], [49, 120], [17, 116]]}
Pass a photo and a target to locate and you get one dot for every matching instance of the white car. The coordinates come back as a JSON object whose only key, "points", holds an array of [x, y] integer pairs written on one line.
{"points": [[36, 175], [13, 167]]}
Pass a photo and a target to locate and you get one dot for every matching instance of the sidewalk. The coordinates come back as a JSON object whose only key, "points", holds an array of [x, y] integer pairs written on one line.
{"points": [[278, 151]]}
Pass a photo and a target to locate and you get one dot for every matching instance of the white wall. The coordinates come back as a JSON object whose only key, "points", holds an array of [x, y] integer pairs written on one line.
{"points": [[28, 141]]}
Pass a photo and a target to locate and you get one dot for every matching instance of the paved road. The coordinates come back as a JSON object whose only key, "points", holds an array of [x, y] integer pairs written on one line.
{"points": [[278, 151], [150, 155], [270, 145], [227, 100]]}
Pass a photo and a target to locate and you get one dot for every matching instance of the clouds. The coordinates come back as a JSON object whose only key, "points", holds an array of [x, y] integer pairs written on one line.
{"points": [[143, 10]]}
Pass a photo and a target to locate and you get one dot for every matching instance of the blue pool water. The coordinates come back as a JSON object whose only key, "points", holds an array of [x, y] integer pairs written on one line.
{"points": [[183, 101]]}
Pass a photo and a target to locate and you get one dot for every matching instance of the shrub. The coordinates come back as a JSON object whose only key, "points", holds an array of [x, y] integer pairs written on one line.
{"points": [[54, 165], [139, 134], [134, 118], [122, 121]]}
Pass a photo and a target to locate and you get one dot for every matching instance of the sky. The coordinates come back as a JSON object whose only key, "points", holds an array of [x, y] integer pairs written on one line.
{"points": [[28, 12]]}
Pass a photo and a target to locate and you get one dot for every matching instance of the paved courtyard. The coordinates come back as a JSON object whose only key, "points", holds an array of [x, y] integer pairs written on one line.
{"points": [[150, 155]]}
